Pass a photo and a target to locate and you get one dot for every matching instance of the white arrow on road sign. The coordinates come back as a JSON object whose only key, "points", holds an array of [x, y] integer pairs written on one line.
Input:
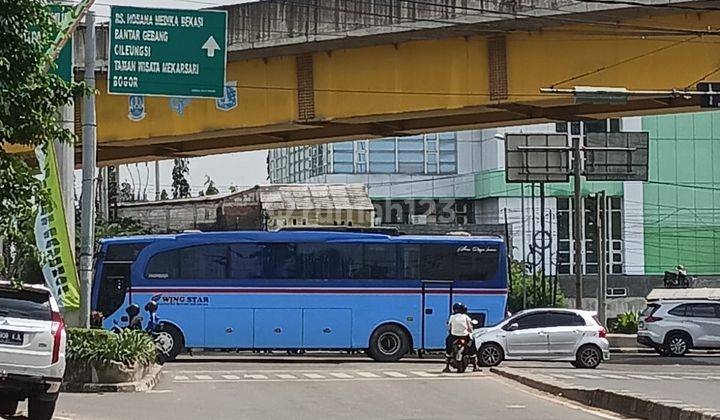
{"points": [[211, 46]]}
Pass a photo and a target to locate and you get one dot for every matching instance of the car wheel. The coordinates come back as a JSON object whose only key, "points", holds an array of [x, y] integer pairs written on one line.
{"points": [[41, 408], [677, 344], [491, 354], [389, 343], [169, 342], [8, 408], [588, 357]]}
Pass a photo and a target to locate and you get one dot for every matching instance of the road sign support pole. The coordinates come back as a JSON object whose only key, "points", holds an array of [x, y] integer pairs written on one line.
{"points": [[578, 217], [532, 245], [600, 247], [542, 238], [88, 174], [157, 180]]}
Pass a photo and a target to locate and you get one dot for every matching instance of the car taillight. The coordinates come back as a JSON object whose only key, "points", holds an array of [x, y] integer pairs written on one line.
{"points": [[602, 333], [56, 328], [653, 318]]}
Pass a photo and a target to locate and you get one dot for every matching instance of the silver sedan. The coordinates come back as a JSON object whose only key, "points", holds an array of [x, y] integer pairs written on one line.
{"points": [[550, 334]]}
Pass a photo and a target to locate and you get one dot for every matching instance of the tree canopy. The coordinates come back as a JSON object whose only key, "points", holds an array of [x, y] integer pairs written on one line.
{"points": [[31, 98]]}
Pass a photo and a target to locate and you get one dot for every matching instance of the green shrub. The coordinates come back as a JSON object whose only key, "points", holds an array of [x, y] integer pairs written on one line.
{"points": [[534, 295], [627, 323], [101, 346]]}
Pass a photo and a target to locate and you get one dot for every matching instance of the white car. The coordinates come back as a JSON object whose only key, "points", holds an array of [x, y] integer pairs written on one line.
{"points": [[672, 327], [548, 334], [32, 350]]}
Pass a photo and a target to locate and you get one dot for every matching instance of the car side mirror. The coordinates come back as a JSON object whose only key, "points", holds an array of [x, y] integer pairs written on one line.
{"points": [[124, 318], [513, 327]]}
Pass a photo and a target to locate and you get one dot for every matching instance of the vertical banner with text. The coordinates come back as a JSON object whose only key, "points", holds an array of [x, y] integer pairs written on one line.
{"points": [[52, 238]]}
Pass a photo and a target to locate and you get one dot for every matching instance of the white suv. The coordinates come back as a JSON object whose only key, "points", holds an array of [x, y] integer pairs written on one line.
{"points": [[550, 334], [32, 350], [672, 327]]}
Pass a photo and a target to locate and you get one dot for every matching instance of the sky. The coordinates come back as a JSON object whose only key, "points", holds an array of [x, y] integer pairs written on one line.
{"points": [[239, 169]]}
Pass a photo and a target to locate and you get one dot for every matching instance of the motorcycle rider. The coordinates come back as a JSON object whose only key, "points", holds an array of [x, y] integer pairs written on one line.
{"points": [[459, 326]]}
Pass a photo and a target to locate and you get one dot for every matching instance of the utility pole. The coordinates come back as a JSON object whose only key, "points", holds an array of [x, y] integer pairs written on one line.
{"points": [[88, 174], [522, 254], [578, 217], [600, 247]]}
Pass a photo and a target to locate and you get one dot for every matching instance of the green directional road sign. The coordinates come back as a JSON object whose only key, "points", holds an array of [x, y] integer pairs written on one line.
{"points": [[64, 60], [167, 52]]}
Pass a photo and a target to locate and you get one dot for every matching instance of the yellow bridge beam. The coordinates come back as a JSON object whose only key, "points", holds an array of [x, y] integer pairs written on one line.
{"points": [[419, 86]]}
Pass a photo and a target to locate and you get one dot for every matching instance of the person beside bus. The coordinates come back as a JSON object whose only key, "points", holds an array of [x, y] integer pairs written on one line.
{"points": [[459, 326]]}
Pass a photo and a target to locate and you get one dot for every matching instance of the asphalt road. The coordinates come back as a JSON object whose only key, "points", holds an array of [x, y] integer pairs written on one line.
{"points": [[321, 388]]}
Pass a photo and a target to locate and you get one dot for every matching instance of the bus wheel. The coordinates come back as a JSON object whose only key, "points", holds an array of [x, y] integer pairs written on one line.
{"points": [[389, 343], [169, 341]]}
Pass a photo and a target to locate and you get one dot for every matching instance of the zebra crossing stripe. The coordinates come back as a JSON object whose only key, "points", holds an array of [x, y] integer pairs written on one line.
{"points": [[613, 376], [424, 374], [560, 376], [203, 377], [694, 378], [181, 378], [341, 375], [587, 376], [313, 376], [286, 376], [647, 378], [367, 375], [255, 377], [395, 374], [231, 377]]}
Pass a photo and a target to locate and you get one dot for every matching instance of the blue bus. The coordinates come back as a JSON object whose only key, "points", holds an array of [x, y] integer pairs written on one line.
{"points": [[387, 294]]}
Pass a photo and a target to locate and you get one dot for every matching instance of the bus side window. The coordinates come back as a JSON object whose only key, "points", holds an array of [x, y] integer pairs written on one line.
{"points": [[411, 262]]}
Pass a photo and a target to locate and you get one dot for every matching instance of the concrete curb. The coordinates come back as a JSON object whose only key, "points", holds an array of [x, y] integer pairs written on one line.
{"points": [[621, 402], [145, 384]]}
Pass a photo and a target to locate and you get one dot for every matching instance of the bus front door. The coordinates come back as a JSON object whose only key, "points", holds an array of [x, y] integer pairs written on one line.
{"points": [[436, 303]]}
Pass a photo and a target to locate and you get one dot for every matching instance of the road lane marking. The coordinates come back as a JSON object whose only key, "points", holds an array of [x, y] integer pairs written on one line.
{"points": [[694, 378], [717, 378], [313, 376], [286, 376], [231, 377], [560, 376], [181, 378], [255, 377], [666, 377], [607, 375], [203, 377], [393, 374], [341, 375], [425, 374], [367, 374]]}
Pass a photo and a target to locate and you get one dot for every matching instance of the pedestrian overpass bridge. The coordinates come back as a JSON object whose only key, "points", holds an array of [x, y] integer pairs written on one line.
{"points": [[321, 71]]}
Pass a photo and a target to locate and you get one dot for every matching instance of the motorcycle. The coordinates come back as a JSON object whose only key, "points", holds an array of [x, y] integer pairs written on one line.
{"points": [[462, 353], [672, 280], [460, 358], [162, 339]]}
